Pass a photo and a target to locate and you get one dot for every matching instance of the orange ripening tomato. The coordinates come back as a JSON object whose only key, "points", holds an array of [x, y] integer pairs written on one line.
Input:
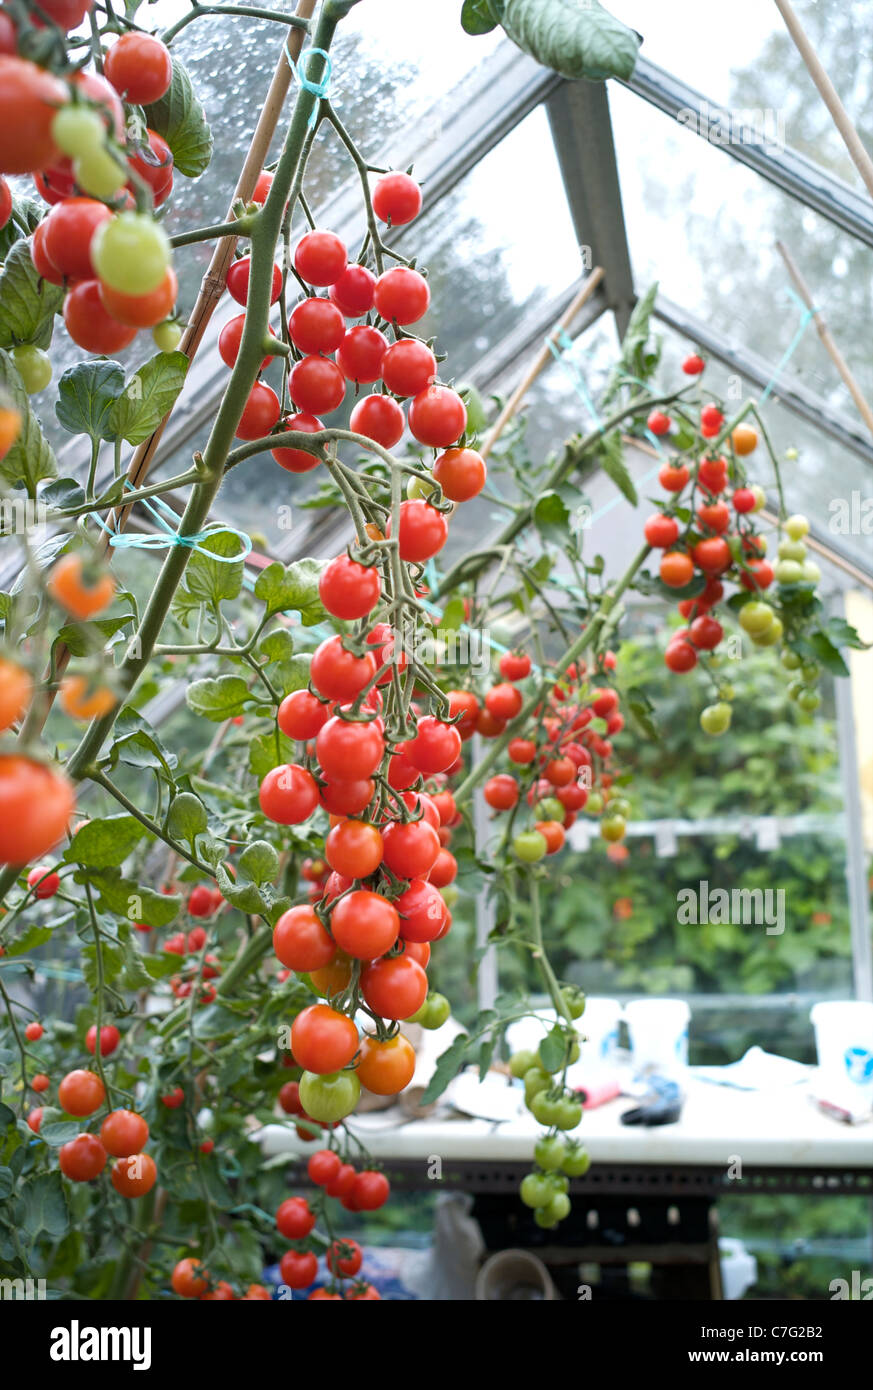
{"points": [[387, 1067], [744, 439], [80, 703], [141, 310], [36, 802], [70, 587], [676, 569], [16, 688], [10, 428], [134, 1175]]}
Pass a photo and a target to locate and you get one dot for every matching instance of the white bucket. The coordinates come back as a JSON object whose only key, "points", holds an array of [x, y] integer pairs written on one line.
{"points": [[659, 1035], [514, 1276], [844, 1046], [599, 1025]]}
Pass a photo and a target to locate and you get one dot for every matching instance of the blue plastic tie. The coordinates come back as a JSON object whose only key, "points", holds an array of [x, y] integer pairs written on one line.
{"points": [[808, 315], [318, 89], [562, 338], [171, 536]]}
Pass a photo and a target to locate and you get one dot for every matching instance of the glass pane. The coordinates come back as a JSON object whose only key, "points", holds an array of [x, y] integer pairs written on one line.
{"points": [[750, 63]]}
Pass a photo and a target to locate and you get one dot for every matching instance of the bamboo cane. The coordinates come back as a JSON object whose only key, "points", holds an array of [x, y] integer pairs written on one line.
{"points": [[852, 140], [826, 336], [539, 363]]}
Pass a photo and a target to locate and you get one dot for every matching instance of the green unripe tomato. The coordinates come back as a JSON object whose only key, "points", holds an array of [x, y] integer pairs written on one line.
{"points": [[618, 806], [792, 550], [167, 336], [574, 1000], [795, 690], [613, 828], [788, 572], [755, 617], [535, 1080], [549, 1152], [330, 1097], [797, 526], [477, 419], [549, 808], [76, 130], [97, 172], [760, 497], [535, 1190], [559, 1182], [811, 572], [716, 719], [544, 1219], [576, 1161], [544, 1109], [558, 1208], [417, 487], [450, 893], [809, 700], [791, 454], [594, 804], [530, 846], [34, 367], [520, 1063], [790, 660], [771, 636], [569, 1113], [433, 1012], [130, 253], [810, 672], [727, 691]]}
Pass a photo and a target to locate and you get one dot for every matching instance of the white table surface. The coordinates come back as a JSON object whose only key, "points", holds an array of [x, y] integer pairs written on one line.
{"points": [[718, 1125]]}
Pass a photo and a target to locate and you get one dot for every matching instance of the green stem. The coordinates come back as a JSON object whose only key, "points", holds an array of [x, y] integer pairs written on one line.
{"points": [[293, 21]]}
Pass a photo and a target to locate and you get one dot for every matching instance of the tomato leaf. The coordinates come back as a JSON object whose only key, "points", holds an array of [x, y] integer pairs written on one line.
{"points": [[137, 743], [44, 1206], [842, 634], [294, 589], [267, 751], [103, 844], [27, 213], [28, 303], [260, 862], [29, 939], [31, 458], [135, 901], [447, 1067], [147, 397], [551, 516], [59, 1133], [213, 580], [86, 396], [180, 118], [577, 38], [611, 457], [639, 356], [220, 698], [63, 493], [481, 16]]}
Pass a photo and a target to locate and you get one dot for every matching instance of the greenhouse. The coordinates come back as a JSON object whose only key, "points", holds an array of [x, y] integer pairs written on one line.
{"points": [[436, 689]]}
